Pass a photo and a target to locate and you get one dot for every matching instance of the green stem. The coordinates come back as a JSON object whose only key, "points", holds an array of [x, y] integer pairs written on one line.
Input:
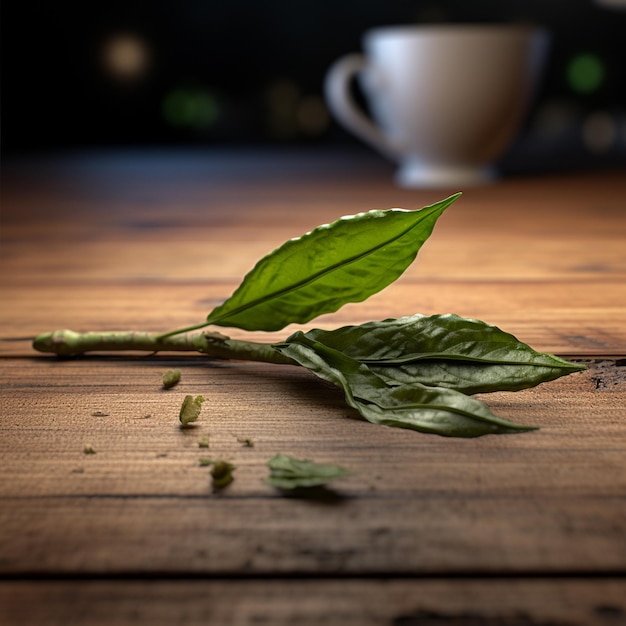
{"points": [[70, 343]]}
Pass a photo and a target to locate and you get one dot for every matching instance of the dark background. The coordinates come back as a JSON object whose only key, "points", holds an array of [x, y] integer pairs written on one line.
{"points": [[251, 72]]}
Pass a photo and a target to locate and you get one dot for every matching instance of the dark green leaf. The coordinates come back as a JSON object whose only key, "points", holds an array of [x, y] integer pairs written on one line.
{"points": [[445, 351], [416, 406], [289, 473], [346, 261]]}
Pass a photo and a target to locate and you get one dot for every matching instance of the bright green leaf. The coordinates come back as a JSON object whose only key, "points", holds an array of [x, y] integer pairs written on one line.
{"points": [[346, 261]]}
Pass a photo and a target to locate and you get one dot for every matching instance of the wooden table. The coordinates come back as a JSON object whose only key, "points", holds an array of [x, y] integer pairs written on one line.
{"points": [[502, 530]]}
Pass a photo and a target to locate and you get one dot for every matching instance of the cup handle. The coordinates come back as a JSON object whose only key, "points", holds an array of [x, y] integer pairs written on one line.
{"points": [[343, 107]]}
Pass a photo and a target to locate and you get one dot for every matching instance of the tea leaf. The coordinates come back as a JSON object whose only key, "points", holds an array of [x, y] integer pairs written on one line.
{"points": [[346, 261], [445, 351], [419, 407]]}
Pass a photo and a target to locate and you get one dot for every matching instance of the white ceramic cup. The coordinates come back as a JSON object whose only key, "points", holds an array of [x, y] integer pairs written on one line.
{"points": [[446, 100]]}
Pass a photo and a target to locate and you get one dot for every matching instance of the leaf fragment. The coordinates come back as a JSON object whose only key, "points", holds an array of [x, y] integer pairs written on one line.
{"points": [[203, 442], [287, 472], [89, 449], [345, 261], [170, 379], [221, 471], [222, 474], [190, 410]]}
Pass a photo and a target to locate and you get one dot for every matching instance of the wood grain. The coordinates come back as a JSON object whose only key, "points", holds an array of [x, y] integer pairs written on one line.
{"points": [[334, 602], [155, 246], [545, 314], [550, 501], [514, 530]]}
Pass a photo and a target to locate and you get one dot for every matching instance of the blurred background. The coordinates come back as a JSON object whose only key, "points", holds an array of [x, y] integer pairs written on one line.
{"points": [[204, 73]]}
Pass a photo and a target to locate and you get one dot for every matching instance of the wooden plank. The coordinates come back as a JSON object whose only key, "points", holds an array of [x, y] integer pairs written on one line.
{"points": [[155, 245], [585, 318], [162, 195], [547, 501], [456, 251], [480, 248], [414, 534], [519, 229], [313, 603], [528, 255]]}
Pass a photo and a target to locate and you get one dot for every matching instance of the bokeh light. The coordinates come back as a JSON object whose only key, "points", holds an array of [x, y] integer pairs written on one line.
{"points": [[126, 56], [585, 72], [281, 97], [292, 114], [312, 115], [195, 108], [599, 132], [555, 118]]}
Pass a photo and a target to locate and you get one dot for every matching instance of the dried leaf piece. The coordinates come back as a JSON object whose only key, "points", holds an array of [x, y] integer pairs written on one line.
{"points": [[222, 474], [190, 410], [171, 378], [89, 449], [289, 473], [203, 442], [246, 441]]}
